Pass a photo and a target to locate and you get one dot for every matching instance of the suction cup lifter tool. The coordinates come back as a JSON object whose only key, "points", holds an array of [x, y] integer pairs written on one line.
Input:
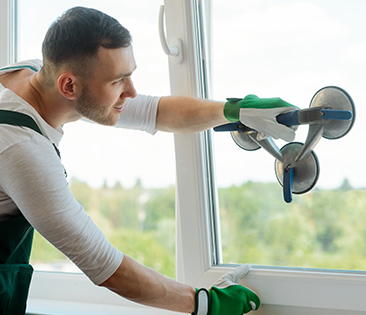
{"points": [[331, 115]]}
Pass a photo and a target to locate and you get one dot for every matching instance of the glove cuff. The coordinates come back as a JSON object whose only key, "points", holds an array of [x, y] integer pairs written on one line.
{"points": [[202, 302], [232, 109]]}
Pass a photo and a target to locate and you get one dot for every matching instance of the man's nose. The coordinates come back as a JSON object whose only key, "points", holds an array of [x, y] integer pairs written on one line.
{"points": [[130, 90]]}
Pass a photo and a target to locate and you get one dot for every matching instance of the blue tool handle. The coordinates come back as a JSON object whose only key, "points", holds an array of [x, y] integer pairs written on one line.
{"points": [[336, 114], [235, 126], [289, 119], [227, 127], [288, 178]]}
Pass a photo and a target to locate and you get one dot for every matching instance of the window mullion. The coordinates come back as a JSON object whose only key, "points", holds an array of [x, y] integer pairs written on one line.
{"points": [[204, 38], [194, 247]]}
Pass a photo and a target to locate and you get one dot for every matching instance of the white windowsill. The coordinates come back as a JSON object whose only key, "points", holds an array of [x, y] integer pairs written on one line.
{"points": [[70, 294], [302, 288], [58, 307]]}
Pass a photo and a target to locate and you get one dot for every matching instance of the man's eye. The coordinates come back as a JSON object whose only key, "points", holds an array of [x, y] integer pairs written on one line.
{"points": [[119, 81]]}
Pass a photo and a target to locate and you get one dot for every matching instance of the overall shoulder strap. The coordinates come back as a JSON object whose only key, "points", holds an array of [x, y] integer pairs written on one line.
{"points": [[18, 119]]}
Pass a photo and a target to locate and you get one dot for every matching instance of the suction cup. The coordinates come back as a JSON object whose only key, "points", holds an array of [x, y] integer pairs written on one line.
{"points": [[335, 98], [305, 171], [243, 140]]}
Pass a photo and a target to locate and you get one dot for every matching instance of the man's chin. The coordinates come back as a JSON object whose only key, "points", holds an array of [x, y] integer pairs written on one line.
{"points": [[107, 122]]}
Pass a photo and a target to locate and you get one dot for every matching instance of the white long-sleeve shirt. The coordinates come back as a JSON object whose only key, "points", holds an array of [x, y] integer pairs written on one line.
{"points": [[33, 183]]}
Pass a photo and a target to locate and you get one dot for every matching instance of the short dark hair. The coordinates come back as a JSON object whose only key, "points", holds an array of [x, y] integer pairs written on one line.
{"points": [[75, 37]]}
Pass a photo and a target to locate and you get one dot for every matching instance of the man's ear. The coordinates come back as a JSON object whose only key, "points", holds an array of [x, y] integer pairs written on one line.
{"points": [[67, 85]]}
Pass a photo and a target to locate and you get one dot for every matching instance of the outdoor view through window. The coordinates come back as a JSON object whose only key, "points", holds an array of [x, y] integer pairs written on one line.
{"points": [[291, 49], [288, 49], [124, 179]]}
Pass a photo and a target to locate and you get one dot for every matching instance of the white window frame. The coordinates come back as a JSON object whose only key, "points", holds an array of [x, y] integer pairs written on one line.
{"points": [[283, 291], [8, 31]]}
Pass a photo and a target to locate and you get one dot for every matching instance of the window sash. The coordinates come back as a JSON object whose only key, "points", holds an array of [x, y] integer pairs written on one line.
{"points": [[282, 289]]}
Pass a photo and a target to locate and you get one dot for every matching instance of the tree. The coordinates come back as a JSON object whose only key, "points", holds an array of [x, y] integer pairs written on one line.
{"points": [[346, 185]]}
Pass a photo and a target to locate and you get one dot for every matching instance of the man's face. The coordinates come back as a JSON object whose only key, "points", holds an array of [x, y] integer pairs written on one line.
{"points": [[104, 95]]}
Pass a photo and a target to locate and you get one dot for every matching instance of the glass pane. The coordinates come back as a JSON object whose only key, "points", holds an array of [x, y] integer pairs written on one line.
{"points": [[291, 49], [124, 179]]}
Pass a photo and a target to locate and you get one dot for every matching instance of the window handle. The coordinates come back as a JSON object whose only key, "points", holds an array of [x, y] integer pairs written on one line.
{"points": [[175, 52]]}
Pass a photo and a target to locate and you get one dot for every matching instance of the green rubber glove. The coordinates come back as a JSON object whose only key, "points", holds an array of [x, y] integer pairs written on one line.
{"points": [[260, 114], [227, 296], [233, 105]]}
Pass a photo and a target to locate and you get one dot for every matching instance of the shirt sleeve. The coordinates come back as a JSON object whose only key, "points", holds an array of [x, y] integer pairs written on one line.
{"points": [[37, 185], [140, 114]]}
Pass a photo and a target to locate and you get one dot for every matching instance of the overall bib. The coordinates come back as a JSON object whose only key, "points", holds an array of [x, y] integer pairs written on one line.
{"points": [[16, 236]]}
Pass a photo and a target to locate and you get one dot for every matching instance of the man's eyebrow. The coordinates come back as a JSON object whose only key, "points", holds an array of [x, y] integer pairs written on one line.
{"points": [[122, 75]]}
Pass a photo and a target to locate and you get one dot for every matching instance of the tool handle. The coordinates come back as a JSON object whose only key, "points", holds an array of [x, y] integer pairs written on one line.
{"points": [[336, 114], [289, 119], [292, 118], [235, 126], [288, 178]]}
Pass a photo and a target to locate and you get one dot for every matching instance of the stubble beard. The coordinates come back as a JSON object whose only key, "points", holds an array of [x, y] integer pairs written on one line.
{"points": [[88, 107]]}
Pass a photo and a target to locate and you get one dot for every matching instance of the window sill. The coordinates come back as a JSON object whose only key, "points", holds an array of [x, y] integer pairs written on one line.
{"points": [[338, 291], [71, 294], [58, 307]]}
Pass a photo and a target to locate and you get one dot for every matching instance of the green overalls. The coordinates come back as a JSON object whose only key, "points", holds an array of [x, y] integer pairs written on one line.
{"points": [[16, 236]]}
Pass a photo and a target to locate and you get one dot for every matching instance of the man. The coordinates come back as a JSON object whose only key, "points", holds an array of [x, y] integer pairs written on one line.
{"points": [[86, 73]]}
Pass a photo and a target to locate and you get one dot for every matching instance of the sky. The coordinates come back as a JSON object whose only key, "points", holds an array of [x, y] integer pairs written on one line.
{"points": [[291, 49], [287, 49]]}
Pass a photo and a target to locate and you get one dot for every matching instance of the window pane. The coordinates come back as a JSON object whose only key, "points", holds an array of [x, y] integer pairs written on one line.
{"points": [[124, 179], [291, 49]]}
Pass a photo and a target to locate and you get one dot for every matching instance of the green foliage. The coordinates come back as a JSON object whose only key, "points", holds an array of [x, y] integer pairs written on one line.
{"points": [[139, 222], [146, 248], [322, 229]]}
